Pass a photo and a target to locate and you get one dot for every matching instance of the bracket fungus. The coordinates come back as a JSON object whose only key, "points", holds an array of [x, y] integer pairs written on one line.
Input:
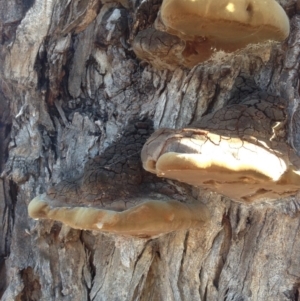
{"points": [[239, 151], [207, 26], [115, 195], [148, 219]]}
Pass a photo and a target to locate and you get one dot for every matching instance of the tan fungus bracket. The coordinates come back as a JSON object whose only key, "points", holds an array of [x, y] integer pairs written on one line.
{"points": [[115, 195], [208, 26], [146, 220], [237, 151]]}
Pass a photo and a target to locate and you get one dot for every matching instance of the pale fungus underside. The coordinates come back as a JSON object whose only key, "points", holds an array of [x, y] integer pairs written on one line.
{"points": [[239, 151], [188, 32], [147, 219]]}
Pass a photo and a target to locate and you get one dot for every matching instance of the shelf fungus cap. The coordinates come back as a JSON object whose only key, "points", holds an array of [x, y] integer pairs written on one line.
{"points": [[242, 170], [147, 219], [225, 24]]}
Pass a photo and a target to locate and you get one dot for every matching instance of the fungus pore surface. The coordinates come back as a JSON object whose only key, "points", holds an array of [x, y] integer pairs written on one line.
{"points": [[239, 151]]}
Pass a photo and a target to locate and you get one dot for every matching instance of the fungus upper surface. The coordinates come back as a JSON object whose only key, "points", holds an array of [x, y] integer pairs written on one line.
{"points": [[238, 151], [159, 48], [207, 26]]}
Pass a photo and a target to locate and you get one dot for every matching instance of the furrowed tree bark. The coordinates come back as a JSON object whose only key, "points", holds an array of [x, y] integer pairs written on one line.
{"points": [[73, 97]]}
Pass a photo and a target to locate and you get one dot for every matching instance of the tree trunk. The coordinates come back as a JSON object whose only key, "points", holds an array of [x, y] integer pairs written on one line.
{"points": [[73, 92]]}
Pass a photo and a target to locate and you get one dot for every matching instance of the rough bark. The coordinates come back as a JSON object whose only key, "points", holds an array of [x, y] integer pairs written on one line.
{"points": [[72, 93]]}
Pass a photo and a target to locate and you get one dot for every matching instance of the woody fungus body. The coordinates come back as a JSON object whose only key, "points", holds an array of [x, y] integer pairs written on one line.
{"points": [[204, 27], [239, 151]]}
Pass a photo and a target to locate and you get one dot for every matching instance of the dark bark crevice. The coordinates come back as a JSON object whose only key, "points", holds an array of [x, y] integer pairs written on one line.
{"points": [[32, 287]]}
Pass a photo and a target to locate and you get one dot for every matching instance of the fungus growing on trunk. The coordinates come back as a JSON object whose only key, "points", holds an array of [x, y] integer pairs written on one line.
{"points": [[208, 26], [238, 151], [115, 195], [148, 219]]}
